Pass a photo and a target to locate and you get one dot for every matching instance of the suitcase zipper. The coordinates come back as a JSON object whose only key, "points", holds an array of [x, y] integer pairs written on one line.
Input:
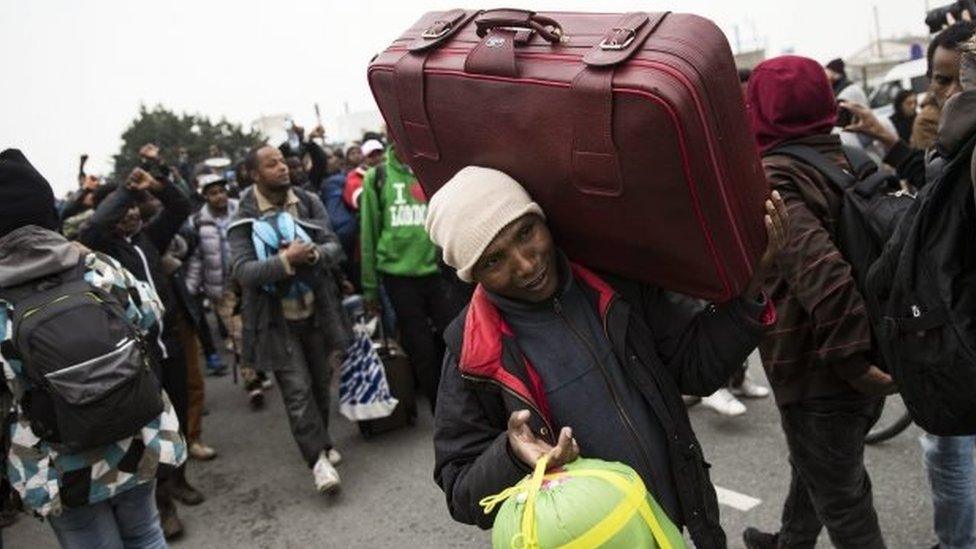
{"points": [[479, 379], [557, 306]]}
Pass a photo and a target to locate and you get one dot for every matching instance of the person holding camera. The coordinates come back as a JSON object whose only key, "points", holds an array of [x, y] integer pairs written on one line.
{"points": [[945, 55]]}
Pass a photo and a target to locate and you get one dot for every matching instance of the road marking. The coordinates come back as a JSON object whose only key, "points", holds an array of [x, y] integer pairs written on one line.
{"points": [[735, 500]]}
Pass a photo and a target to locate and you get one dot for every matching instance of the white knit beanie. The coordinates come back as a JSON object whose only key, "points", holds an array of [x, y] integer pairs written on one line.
{"points": [[469, 211]]}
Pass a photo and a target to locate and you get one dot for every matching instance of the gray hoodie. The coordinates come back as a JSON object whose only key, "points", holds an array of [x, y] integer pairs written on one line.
{"points": [[32, 252]]}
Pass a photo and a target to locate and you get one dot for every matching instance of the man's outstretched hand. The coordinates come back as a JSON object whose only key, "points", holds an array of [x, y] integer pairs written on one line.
{"points": [[528, 448]]}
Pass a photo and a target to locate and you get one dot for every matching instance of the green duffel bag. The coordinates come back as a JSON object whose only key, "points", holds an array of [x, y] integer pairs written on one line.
{"points": [[586, 504]]}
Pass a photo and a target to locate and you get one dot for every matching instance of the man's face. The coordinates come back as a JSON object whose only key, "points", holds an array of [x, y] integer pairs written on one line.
{"points": [[131, 222], [520, 263], [375, 158], [296, 172], [909, 105], [354, 157], [271, 171], [216, 196], [945, 74], [333, 162]]}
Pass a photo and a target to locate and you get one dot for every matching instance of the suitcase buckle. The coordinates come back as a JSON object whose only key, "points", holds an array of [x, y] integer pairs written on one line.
{"points": [[437, 30], [612, 43]]}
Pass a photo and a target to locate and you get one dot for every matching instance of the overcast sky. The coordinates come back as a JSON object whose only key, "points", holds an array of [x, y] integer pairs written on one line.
{"points": [[73, 73]]}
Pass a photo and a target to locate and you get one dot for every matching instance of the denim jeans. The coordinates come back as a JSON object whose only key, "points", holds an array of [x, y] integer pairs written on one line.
{"points": [[128, 520], [949, 464]]}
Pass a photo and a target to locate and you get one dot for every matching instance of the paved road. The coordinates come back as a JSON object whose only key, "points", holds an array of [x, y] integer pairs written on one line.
{"points": [[261, 495]]}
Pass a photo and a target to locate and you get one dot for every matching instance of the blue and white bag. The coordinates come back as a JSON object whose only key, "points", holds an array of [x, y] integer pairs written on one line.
{"points": [[363, 391]]}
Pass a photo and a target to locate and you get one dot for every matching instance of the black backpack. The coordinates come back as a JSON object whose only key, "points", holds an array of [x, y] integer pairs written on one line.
{"points": [[923, 290], [872, 207], [89, 374]]}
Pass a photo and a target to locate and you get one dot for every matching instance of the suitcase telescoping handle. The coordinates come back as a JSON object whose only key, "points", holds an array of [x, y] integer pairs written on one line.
{"points": [[547, 27]]}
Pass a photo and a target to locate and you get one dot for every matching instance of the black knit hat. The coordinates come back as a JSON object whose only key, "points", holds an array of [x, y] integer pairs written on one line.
{"points": [[838, 66], [26, 197]]}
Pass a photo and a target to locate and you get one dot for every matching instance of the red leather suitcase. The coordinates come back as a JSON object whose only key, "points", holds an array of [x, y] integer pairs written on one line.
{"points": [[630, 130]]}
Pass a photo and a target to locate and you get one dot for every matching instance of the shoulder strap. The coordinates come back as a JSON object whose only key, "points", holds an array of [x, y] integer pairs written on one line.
{"points": [[840, 178], [860, 162]]}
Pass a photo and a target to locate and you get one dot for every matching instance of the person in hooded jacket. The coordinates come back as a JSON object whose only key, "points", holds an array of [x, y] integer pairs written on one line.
{"points": [[102, 497], [817, 358], [118, 230]]}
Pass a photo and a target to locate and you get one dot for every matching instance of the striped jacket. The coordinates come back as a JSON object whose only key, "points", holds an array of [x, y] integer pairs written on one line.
{"points": [[823, 334]]}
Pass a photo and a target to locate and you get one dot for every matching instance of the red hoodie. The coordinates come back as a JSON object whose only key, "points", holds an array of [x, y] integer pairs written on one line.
{"points": [[789, 97]]}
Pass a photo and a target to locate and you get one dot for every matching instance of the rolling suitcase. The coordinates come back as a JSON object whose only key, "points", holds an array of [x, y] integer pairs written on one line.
{"points": [[630, 131], [399, 377]]}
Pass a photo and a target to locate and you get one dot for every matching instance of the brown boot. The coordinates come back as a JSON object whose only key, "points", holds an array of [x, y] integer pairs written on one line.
{"points": [[181, 489], [168, 520]]}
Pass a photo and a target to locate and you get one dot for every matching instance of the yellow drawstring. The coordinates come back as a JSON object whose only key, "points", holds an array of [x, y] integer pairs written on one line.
{"points": [[530, 537], [634, 503]]}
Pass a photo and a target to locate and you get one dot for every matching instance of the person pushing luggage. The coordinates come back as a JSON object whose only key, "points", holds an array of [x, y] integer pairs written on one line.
{"points": [[585, 364]]}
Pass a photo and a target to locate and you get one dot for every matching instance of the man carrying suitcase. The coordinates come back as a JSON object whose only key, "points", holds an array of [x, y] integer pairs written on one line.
{"points": [[550, 357], [285, 257]]}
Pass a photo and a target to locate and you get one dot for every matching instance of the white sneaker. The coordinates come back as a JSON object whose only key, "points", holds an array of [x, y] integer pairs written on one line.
{"points": [[724, 403], [201, 451], [750, 389], [266, 383], [326, 477], [335, 458]]}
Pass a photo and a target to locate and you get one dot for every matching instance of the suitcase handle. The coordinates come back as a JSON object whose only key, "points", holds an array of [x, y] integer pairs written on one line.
{"points": [[547, 27]]}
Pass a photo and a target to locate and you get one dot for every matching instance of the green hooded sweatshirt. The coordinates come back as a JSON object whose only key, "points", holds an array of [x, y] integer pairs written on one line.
{"points": [[391, 219]]}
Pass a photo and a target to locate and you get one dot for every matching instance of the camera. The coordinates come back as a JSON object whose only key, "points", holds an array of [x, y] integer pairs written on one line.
{"points": [[844, 117], [936, 18]]}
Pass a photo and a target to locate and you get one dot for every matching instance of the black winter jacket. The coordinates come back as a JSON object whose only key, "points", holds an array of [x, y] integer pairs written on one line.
{"points": [[666, 344], [142, 253]]}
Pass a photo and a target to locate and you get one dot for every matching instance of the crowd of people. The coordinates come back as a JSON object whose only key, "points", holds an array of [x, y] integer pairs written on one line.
{"points": [[190, 266]]}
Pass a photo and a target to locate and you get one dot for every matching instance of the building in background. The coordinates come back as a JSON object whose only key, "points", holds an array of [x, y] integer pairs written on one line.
{"points": [[869, 64], [350, 126], [749, 59]]}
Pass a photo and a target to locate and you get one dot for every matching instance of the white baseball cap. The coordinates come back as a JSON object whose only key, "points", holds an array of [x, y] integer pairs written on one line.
{"points": [[371, 146]]}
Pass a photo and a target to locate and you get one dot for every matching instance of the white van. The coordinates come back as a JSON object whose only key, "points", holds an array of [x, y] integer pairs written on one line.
{"points": [[904, 76]]}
